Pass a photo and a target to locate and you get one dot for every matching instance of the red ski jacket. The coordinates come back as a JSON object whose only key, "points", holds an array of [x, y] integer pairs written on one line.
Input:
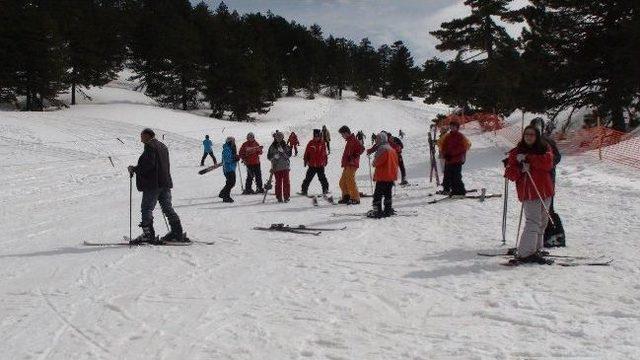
{"points": [[293, 140], [454, 147], [352, 152], [315, 155], [540, 168], [250, 152]]}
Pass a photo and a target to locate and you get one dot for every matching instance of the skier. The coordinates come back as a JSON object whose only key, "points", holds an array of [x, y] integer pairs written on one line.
{"points": [[453, 148], [385, 162], [554, 233], [279, 154], [360, 136], [250, 152], [350, 164], [397, 145], [327, 138], [229, 163], [293, 142], [529, 165], [315, 156], [401, 134], [373, 139], [208, 150], [153, 179]]}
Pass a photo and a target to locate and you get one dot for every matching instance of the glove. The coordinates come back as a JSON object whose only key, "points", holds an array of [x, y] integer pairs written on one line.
{"points": [[525, 167], [505, 161], [521, 157], [305, 164], [131, 169]]}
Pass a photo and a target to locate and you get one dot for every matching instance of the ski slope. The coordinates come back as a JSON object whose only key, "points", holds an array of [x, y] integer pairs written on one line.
{"points": [[396, 288]]}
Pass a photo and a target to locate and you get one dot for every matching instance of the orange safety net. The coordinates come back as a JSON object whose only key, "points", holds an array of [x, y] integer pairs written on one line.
{"points": [[487, 121]]}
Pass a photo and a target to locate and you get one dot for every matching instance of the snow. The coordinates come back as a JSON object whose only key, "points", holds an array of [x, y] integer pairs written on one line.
{"points": [[397, 288]]}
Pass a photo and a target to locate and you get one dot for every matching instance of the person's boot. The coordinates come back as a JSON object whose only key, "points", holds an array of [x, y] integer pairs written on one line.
{"points": [[388, 210], [260, 191], [345, 200], [176, 234], [404, 182], [353, 202], [227, 200], [376, 212], [148, 235]]}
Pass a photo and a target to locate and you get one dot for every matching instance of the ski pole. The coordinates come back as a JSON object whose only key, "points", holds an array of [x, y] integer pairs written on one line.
{"points": [[519, 224], [504, 211], [130, 203], [240, 175], [165, 221], [546, 209], [370, 175]]}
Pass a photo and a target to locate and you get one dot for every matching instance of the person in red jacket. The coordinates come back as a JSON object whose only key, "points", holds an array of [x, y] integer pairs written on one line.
{"points": [[315, 156], [529, 165], [453, 148], [350, 163], [293, 142], [385, 162], [249, 153]]}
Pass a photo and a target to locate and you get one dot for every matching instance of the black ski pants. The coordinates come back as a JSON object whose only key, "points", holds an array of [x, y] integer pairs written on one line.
{"points": [[403, 172], [383, 191], [311, 172], [453, 179], [253, 171], [225, 193]]}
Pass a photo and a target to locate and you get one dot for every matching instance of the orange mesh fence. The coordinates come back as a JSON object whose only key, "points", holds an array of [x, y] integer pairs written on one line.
{"points": [[611, 145], [487, 121]]}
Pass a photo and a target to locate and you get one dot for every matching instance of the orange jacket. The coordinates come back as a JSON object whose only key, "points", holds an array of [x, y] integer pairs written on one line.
{"points": [[386, 165]]}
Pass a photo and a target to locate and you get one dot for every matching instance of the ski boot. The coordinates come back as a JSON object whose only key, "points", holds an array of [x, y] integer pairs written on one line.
{"points": [[353, 202], [404, 182], [389, 211], [375, 214], [260, 191], [303, 193], [148, 235], [345, 200], [248, 192], [227, 200], [176, 234]]}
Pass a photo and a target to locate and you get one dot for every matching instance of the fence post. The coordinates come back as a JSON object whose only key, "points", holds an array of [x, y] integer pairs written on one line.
{"points": [[600, 143]]}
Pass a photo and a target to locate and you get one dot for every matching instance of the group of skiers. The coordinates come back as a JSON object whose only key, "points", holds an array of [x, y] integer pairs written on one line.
{"points": [[531, 165]]}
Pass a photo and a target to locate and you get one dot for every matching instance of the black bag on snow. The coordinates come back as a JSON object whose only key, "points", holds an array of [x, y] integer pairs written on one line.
{"points": [[554, 233]]}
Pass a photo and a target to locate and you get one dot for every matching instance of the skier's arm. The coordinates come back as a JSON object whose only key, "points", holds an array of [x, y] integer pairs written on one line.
{"points": [[512, 170]]}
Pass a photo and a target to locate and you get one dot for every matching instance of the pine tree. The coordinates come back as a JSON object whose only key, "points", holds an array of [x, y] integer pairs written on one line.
{"points": [[494, 84], [366, 70], [39, 65], [166, 53], [593, 48], [94, 41], [400, 81]]}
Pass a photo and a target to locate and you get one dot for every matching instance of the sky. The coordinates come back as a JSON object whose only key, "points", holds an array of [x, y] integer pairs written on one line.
{"points": [[382, 21]]}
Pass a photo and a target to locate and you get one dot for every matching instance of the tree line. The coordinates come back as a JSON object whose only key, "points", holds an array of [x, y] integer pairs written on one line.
{"points": [[569, 55], [186, 56]]}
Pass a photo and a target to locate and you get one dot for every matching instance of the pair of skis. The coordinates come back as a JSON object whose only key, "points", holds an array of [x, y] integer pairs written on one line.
{"points": [[553, 259], [364, 214], [126, 242], [300, 229], [482, 196]]}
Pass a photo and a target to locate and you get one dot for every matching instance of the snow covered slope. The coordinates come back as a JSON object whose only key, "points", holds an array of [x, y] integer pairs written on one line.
{"points": [[397, 288]]}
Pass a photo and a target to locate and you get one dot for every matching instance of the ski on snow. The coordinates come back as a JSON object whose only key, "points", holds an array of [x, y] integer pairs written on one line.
{"points": [[482, 196], [125, 242], [566, 262], [511, 252], [398, 213]]}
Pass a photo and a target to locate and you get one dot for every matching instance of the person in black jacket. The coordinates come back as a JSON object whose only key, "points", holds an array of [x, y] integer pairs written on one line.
{"points": [[153, 179]]}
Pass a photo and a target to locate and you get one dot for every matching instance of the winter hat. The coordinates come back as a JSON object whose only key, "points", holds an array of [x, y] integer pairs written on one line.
{"points": [[317, 132], [230, 139], [250, 135], [206, 136], [344, 130], [454, 124], [382, 138], [278, 136]]}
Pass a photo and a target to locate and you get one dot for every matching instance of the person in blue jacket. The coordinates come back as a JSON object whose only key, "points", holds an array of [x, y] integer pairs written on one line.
{"points": [[208, 150], [229, 162]]}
